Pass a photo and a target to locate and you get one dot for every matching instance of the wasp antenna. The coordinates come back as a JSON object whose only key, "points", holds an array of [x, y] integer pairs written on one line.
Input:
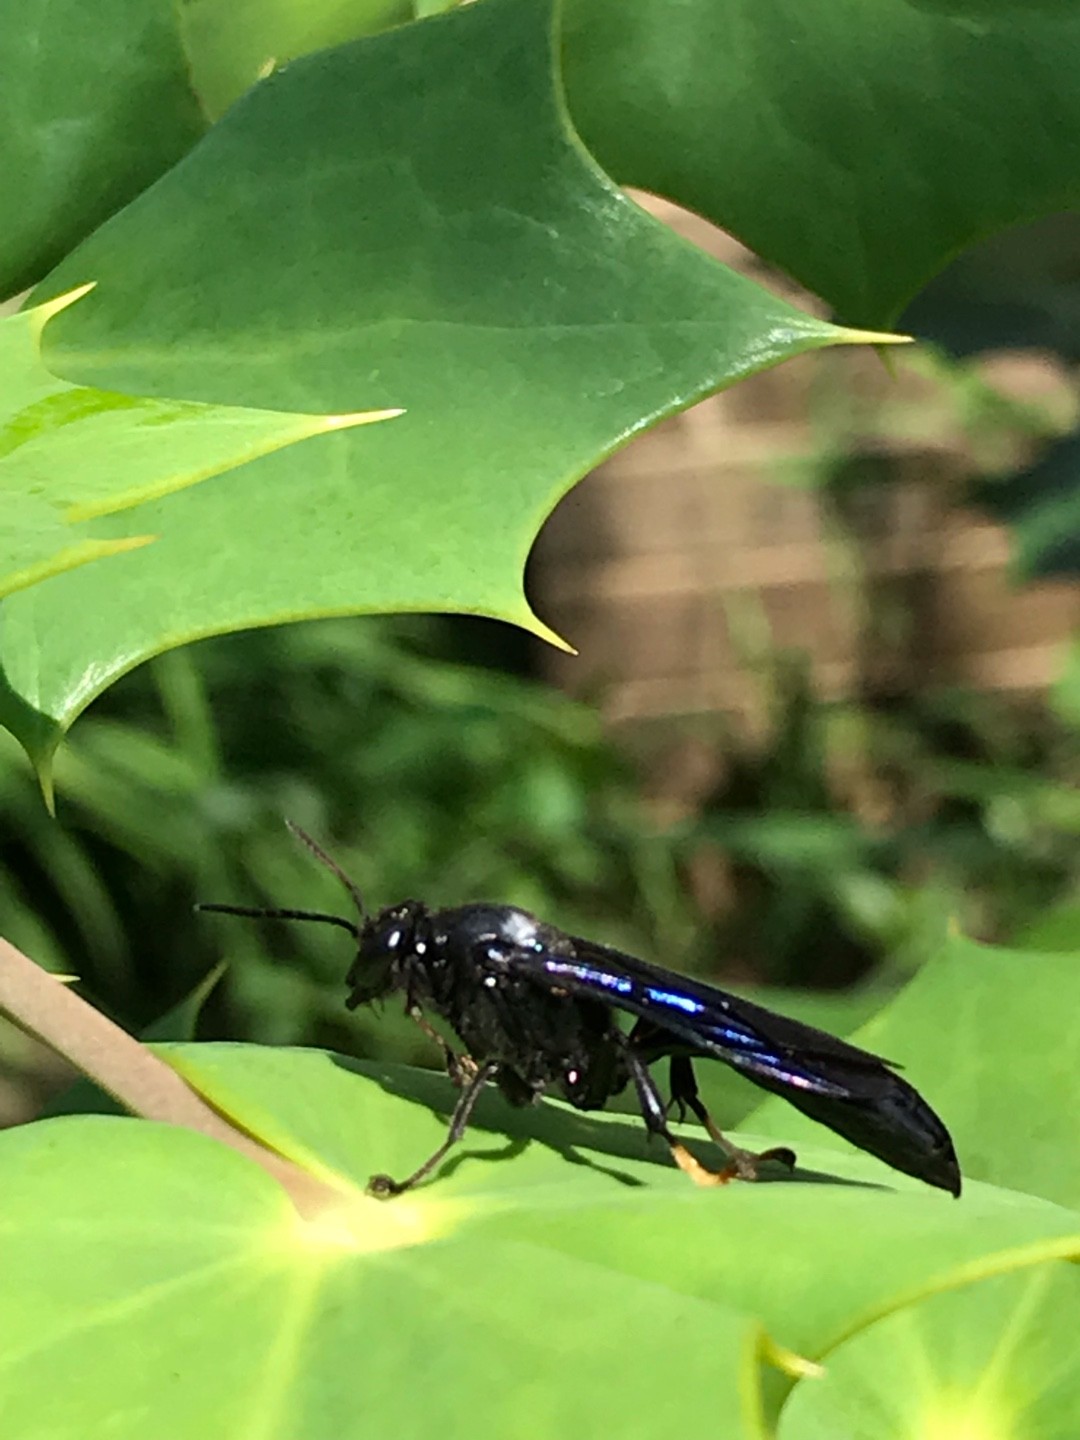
{"points": [[332, 865], [254, 912]]}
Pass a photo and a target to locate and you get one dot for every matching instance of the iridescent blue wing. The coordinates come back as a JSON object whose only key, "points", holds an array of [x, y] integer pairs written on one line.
{"points": [[687, 1015], [854, 1093]]}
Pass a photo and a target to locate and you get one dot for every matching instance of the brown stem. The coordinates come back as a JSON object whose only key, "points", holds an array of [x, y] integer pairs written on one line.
{"points": [[117, 1062]]}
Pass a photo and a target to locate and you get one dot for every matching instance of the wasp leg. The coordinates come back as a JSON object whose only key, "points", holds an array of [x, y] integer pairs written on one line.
{"points": [[382, 1186], [741, 1163], [678, 1105], [644, 1037], [460, 1068], [654, 1113]]}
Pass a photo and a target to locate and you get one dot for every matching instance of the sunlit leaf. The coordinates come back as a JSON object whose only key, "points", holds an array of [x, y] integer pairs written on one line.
{"points": [[340, 240], [516, 1283], [70, 454], [985, 1034], [994, 1361]]}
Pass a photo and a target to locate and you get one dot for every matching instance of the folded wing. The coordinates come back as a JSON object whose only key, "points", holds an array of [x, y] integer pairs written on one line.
{"points": [[853, 1092]]}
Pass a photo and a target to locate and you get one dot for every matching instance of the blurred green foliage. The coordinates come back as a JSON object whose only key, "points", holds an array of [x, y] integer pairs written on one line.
{"points": [[423, 777], [859, 831], [845, 836]]}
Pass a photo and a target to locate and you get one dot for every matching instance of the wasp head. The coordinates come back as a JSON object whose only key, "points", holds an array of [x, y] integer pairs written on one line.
{"points": [[383, 956]]}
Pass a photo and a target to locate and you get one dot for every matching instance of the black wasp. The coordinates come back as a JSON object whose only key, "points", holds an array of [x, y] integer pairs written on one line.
{"points": [[536, 1010]]}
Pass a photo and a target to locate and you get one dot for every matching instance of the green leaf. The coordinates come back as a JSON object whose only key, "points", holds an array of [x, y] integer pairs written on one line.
{"points": [[70, 454], [598, 1166], [784, 840], [179, 1023], [246, 1321], [516, 1284], [231, 46], [985, 1035], [1041, 505], [857, 146], [338, 241], [95, 103], [1056, 929], [1022, 799], [996, 1361], [1065, 696]]}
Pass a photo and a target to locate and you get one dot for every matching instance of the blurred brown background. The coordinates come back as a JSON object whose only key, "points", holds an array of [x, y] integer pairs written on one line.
{"points": [[650, 565]]}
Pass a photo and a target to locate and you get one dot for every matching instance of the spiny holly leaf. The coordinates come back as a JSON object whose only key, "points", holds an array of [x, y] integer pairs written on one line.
{"points": [[347, 236], [70, 454], [995, 1361], [857, 146], [517, 1283]]}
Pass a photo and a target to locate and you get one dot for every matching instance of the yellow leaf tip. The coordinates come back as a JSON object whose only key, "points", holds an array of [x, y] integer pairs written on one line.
{"points": [[543, 632], [38, 316], [358, 417], [69, 297], [46, 786], [871, 337], [791, 1363]]}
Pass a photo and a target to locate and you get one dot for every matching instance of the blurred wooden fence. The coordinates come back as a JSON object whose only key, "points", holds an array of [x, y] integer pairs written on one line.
{"points": [[705, 525]]}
